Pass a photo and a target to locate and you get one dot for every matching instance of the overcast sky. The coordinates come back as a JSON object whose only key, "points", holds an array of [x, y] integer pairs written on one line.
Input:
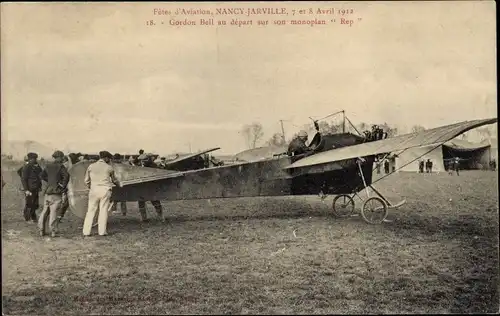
{"points": [[93, 76]]}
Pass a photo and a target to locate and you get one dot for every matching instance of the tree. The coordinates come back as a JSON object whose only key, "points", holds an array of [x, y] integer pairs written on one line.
{"points": [[276, 140], [330, 128], [417, 128], [391, 131], [252, 133], [324, 128]]}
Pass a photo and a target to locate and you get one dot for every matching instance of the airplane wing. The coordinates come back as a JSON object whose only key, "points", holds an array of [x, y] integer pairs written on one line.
{"points": [[153, 174], [177, 160], [130, 175], [438, 135]]}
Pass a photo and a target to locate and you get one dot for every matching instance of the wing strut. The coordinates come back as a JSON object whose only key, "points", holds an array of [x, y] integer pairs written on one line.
{"points": [[348, 120], [362, 177]]}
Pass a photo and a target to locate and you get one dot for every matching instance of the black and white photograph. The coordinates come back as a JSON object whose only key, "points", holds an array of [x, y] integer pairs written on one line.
{"points": [[215, 157]]}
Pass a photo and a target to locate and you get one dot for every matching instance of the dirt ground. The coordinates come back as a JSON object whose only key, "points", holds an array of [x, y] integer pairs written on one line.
{"points": [[241, 256]]}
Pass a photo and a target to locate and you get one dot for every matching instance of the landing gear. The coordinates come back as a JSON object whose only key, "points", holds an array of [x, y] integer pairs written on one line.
{"points": [[374, 210], [343, 206]]}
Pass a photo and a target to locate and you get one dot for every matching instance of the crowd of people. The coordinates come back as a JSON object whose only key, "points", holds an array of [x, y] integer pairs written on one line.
{"points": [[100, 178]]}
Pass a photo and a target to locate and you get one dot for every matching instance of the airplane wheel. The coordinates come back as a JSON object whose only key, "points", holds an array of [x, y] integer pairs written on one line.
{"points": [[374, 210], [343, 205]]}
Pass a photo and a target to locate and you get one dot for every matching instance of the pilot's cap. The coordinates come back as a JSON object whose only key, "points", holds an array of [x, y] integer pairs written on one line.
{"points": [[31, 156], [302, 134]]}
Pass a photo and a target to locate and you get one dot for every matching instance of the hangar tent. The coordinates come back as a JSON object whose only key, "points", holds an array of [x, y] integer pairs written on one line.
{"points": [[493, 142], [472, 155]]}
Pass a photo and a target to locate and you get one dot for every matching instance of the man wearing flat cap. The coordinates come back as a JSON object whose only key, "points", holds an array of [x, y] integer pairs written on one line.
{"points": [[32, 184], [57, 177], [100, 179]]}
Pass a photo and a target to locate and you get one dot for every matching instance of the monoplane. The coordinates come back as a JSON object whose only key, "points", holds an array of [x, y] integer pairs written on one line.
{"points": [[339, 164]]}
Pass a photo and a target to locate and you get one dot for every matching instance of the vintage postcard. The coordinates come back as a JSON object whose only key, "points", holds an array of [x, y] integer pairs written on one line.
{"points": [[249, 157]]}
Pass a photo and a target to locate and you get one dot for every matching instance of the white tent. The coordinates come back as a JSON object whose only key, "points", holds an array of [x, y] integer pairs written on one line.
{"points": [[493, 143], [411, 159], [475, 156]]}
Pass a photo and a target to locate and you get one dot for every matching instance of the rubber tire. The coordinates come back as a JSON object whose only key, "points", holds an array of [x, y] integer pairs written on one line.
{"points": [[384, 205], [336, 212]]}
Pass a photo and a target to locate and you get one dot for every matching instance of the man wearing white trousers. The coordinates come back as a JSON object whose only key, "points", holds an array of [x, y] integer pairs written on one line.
{"points": [[100, 179]]}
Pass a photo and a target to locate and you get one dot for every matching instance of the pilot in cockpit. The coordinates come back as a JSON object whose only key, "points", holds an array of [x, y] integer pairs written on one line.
{"points": [[298, 145]]}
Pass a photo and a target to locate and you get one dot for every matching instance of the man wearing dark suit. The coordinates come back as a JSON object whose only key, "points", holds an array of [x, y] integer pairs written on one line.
{"points": [[32, 184]]}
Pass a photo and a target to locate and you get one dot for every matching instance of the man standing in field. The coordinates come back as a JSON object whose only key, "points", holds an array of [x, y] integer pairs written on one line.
{"points": [[57, 177], [65, 202], [32, 184], [147, 161], [100, 179], [456, 165], [428, 166], [117, 158], [386, 166]]}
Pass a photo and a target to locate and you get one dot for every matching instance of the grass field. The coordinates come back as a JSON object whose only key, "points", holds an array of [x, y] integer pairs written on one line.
{"points": [[239, 256]]}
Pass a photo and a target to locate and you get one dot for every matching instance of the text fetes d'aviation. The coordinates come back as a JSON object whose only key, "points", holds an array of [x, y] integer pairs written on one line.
{"points": [[228, 11], [251, 11]]}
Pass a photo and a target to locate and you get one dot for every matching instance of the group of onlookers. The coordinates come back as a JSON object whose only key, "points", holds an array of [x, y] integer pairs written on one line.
{"points": [[55, 202], [99, 178], [428, 166]]}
